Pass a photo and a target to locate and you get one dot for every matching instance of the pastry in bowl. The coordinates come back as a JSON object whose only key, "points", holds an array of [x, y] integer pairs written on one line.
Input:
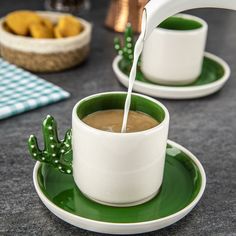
{"points": [[44, 41]]}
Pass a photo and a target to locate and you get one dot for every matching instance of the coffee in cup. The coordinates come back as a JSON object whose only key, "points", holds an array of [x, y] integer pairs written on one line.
{"points": [[111, 121]]}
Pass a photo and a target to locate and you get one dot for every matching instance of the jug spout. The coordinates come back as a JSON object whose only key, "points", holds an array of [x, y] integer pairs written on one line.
{"points": [[156, 11]]}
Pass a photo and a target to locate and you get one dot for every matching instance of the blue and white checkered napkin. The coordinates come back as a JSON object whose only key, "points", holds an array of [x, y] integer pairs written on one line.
{"points": [[22, 91]]}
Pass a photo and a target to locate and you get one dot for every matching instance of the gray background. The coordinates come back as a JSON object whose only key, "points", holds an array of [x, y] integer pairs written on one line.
{"points": [[205, 126]]}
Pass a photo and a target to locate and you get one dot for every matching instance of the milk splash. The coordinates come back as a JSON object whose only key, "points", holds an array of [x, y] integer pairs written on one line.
{"points": [[137, 52]]}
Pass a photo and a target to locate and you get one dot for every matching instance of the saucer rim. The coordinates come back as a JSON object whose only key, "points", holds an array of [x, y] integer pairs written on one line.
{"points": [[123, 228], [176, 92]]}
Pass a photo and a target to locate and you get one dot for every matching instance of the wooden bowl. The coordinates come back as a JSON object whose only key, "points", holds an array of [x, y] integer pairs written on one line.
{"points": [[45, 55]]}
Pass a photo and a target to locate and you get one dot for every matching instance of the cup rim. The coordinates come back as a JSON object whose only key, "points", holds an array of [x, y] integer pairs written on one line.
{"points": [[204, 26], [148, 131]]}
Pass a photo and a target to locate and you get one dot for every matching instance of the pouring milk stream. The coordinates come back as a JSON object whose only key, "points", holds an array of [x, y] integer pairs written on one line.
{"points": [[154, 13]]}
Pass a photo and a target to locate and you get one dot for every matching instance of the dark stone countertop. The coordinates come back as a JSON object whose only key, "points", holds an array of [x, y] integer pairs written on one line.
{"points": [[205, 126]]}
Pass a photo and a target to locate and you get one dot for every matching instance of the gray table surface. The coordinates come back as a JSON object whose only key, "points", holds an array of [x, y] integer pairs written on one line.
{"points": [[205, 126]]}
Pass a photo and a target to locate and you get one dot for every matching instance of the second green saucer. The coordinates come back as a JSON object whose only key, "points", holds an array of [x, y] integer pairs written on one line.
{"points": [[215, 73]]}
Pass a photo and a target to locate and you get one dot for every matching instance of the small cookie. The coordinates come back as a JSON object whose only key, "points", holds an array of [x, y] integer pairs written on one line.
{"points": [[19, 21], [69, 26], [6, 27], [38, 30], [47, 23], [57, 33]]}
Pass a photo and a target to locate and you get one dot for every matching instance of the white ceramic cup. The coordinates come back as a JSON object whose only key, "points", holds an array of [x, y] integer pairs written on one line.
{"points": [[119, 169], [173, 56]]}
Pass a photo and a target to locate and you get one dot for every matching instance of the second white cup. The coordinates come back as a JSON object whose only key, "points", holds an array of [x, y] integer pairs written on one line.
{"points": [[173, 54]]}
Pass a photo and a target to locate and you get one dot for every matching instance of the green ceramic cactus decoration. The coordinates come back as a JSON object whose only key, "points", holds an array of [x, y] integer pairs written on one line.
{"points": [[128, 49], [56, 153]]}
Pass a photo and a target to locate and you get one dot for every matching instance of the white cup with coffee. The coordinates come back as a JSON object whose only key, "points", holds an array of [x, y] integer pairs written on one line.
{"points": [[173, 54], [119, 169]]}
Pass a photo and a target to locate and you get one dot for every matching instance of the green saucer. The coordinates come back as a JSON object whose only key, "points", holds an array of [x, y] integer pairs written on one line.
{"points": [[183, 185], [214, 75], [211, 72]]}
